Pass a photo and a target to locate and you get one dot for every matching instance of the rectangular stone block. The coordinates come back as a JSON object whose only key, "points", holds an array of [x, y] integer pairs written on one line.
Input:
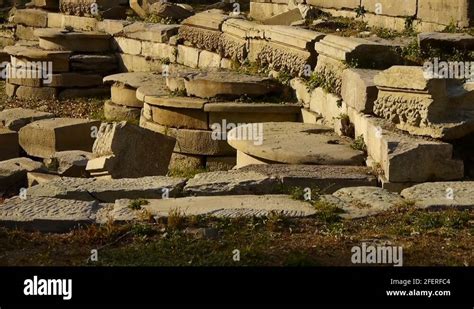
{"points": [[335, 4], [262, 11], [25, 33], [13, 174], [45, 137], [31, 17], [9, 147], [404, 158], [125, 142], [446, 12], [159, 50], [188, 56], [358, 89], [209, 60], [136, 63], [127, 46], [150, 32], [390, 7]]}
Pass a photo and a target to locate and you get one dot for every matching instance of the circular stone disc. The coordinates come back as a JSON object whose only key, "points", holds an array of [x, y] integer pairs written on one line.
{"points": [[135, 79], [294, 143]]}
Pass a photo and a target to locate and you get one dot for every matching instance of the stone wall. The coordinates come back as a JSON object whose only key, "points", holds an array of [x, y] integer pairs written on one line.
{"points": [[423, 15]]}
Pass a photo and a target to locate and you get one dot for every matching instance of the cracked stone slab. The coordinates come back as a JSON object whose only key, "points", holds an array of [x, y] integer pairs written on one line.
{"points": [[328, 178], [441, 195], [229, 206], [294, 143], [359, 202], [13, 173], [16, 118], [231, 182], [108, 190], [46, 214]]}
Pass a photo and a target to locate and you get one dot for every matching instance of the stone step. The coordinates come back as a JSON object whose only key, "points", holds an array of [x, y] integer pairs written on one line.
{"points": [[188, 141], [45, 137], [30, 57], [326, 178], [74, 41], [227, 206], [292, 143], [108, 190], [441, 195], [229, 84], [124, 86], [446, 41], [47, 214], [232, 182]]}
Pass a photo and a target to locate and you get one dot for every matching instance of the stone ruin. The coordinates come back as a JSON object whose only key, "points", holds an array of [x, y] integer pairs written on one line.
{"points": [[259, 103]]}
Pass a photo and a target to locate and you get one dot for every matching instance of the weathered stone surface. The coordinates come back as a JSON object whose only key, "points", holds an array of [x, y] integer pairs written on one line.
{"points": [[188, 56], [46, 214], [231, 182], [69, 163], [461, 41], [241, 113], [198, 142], [326, 178], [39, 178], [177, 102], [185, 162], [124, 95], [285, 18], [223, 163], [127, 46], [261, 11], [130, 159], [150, 32], [358, 202], [209, 60], [358, 89], [169, 10], [25, 33], [16, 118], [302, 91], [42, 93], [45, 137], [179, 117], [58, 20], [9, 147], [441, 195], [212, 84], [404, 158], [134, 79], [112, 26], [294, 143], [397, 78], [135, 63], [429, 105], [92, 8], [403, 8], [29, 57], [230, 206], [446, 12], [115, 112], [76, 41], [13, 173], [31, 17], [152, 92], [108, 190]]}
